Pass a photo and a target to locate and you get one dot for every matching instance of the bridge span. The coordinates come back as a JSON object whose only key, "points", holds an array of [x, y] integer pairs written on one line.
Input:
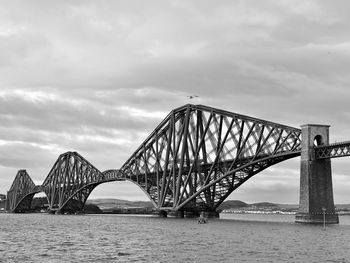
{"points": [[192, 161]]}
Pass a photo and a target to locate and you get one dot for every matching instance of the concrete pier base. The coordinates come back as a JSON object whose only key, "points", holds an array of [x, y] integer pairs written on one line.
{"points": [[316, 218], [177, 214], [186, 214], [160, 213]]}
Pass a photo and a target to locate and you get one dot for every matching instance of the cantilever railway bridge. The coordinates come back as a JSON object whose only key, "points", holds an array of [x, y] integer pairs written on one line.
{"points": [[193, 160]]}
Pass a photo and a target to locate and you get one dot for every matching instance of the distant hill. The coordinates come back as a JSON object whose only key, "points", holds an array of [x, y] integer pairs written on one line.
{"points": [[229, 204], [107, 205], [239, 205], [264, 204], [92, 209], [119, 203], [104, 204]]}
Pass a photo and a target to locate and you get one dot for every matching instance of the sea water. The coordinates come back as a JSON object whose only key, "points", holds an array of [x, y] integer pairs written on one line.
{"points": [[117, 238]]}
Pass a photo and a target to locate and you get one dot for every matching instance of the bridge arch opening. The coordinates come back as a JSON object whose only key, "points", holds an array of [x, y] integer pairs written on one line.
{"points": [[318, 140], [278, 184], [39, 203], [110, 194], [32, 202]]}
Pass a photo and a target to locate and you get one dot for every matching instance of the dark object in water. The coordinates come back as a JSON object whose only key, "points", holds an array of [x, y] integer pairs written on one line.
{"points": [[202, 220]]}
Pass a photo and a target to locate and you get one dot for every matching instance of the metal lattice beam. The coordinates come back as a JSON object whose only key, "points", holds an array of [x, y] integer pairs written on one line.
{"points": [[21, 193], [198, 155], [72, 179], [334, 150]]}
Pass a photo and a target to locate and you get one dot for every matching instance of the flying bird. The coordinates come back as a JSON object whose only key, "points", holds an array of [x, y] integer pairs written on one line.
{"points": [[192, 96]]}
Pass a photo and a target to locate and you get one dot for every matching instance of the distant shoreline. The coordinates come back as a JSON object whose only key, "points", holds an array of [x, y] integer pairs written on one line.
{"points": [[119, 206]]}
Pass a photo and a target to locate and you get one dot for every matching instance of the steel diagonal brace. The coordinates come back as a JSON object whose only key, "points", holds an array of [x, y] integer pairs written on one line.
{"points": [[196, 154], [282, 143], [296, 143], [219, 152], [184, 134], [261, 145], [165, 170], [279, 158], [242, 146]]}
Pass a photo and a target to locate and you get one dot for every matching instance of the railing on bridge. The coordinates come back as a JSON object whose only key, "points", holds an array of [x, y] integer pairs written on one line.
{"points": [[333, 150]]}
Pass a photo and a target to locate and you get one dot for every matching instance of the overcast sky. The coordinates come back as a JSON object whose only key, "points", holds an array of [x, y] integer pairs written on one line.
{"points": [[98, 76]]}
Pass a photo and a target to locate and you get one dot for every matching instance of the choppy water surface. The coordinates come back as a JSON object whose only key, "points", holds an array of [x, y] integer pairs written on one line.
{"points": [[115, 238]]}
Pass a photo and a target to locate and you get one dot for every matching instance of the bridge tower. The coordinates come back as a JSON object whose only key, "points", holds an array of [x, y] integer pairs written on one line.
{"points": [[316, 191]]}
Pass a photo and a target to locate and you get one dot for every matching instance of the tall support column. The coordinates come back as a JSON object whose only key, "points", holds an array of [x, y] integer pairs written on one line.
{"points": [[316, 203]]}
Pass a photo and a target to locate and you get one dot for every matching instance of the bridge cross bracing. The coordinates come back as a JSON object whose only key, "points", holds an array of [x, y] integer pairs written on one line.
{"points": [[21, 191], [67, 186], [333, 150], [198, 155]]}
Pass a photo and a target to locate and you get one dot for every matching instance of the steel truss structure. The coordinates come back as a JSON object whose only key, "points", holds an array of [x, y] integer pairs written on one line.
{"points": [[198, 155], [71, 180], [333, 150], [22, 190], [67, 186], [192, 162]]}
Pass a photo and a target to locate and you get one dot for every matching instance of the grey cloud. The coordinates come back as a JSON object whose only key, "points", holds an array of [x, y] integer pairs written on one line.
{"points": [[24, 156], [66, 116], [116, 68]]}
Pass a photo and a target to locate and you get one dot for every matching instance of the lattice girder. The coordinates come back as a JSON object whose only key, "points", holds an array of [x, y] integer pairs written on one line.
{"points": [[192, 158], [72, 179], [333, 150], [21, 192]]}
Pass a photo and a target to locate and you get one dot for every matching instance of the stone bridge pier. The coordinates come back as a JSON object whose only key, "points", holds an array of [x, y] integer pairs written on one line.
{"points": [[316, 203]]}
